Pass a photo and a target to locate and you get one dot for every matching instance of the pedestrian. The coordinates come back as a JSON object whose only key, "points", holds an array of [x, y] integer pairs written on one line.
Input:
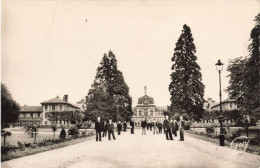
{"points": [[182, 124], [175, 128], [167, 127], [105, 129], [147, 124], [160, 127], [150, 125], [155, 125], [119, 127], [143, 125], [110, 128], [132, 125], [124, 125], [98, 128]]}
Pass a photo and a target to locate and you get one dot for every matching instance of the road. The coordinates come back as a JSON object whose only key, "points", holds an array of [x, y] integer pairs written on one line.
{"points": [[136, 150]]}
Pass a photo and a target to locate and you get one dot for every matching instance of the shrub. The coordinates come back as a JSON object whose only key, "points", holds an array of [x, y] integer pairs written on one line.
{"points": [[210, 130], [62, 134], [73, 131]]}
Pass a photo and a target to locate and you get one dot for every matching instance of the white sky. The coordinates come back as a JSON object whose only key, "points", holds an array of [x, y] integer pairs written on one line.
{"points": [[48, 49]]}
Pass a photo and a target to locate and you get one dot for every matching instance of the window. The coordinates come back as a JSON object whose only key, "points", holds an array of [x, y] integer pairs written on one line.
{"points": [[46, 107], [53, 107], [24, 115], [31, 114], [231, 105], [140, 113], [60, 107], [151, 112], [39, 114]]}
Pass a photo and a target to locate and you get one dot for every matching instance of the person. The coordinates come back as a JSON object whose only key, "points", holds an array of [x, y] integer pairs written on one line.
{"points": [[124, 125], [143, 125], [160, 127], [98, 128], [167, 127], [182, 124], [175, 128], [132, 125], [155, 125], [105, 129], [110, 128], [151, 125], [147, 125], [119, 127]]}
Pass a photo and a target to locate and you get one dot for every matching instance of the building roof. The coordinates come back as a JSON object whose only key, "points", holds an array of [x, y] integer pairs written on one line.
{"points": [[145, 100], [225, 101], [57, 100], [31, 109]]}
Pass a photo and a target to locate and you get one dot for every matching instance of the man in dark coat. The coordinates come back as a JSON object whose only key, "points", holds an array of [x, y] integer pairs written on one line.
{"points": [[175, 128], [132, 125], [124, 125], [167, 127], [98, 128], [105, 129], [119, 127], [110, 129], [182, 124], [160, 127], [143, 125]]}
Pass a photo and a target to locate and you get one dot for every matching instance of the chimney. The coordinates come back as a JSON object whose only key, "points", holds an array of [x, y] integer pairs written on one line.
{"points": [[65, 98]]}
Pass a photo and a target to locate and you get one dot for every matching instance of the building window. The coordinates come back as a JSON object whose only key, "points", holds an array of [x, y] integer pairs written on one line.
{"points": [[151, 112], [46, 107], [24, 115], [53, 107], [31, 114], [231, 105], [39, 114], [140, 113], [60, 107]]}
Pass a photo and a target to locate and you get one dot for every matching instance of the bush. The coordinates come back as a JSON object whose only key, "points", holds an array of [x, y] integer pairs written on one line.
{"points": [[210, 130], [62, 134], [74, 132]]}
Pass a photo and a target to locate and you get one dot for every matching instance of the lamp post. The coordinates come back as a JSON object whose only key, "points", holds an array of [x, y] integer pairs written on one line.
{"points": [[219, 67], [117, 113]]}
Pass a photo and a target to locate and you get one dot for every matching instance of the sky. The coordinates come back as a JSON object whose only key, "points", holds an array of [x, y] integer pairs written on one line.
{"points": [[52, 48]]}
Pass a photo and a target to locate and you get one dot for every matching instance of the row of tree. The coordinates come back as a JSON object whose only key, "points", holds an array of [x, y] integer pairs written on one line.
{"points": [[109, 94]]}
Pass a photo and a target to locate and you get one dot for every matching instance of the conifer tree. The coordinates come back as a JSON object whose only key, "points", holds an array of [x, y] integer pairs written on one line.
{"points": [[186, 88]]}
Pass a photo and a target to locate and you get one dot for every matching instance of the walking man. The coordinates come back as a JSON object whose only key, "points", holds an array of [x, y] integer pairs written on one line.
{"points": [[110, 128], [132, 125], [124, 125], [143, 125], [175, 128], [98, 128], [155, 125], [160, 127], [105, 129], [167, 127], [182, 124], [119, 127]]}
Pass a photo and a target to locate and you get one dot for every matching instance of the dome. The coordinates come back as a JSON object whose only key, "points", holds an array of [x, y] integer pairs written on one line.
{"points": [[145, 100]]}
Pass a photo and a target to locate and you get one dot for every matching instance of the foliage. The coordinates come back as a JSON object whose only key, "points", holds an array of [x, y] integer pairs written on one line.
{"points": [[186, 87], [73, 131], [210, 130], [109, 93], [54, 129], [62, 134], [64, 116], [244, 84], [9, 107], [32, 131]]}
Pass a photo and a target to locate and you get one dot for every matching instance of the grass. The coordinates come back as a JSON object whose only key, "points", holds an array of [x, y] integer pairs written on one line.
{"points": [[26, 152], [250, 149]]}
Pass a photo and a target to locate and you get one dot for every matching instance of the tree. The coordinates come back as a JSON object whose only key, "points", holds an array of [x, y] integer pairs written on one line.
{"points": [[32, 131], [244, 83], [186, 88], [5, 134], [9, 107], [54, 129], [109, 93]]}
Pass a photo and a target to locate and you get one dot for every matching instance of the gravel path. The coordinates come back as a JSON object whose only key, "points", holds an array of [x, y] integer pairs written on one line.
{"points": [[139, 151]]}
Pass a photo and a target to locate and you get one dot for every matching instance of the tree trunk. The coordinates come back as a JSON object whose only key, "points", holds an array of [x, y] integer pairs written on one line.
{"points": [[34, 137], [4, 140], [247, 131]]}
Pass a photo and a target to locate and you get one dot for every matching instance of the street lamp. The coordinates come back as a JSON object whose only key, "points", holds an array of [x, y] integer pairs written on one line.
{"points": [[219, 67]]}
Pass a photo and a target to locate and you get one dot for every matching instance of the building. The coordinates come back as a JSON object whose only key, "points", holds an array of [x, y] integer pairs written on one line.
{"points": [[208, 104], [82, 104], [146, 109], [228, 104], [29, 115], [60, 106]]}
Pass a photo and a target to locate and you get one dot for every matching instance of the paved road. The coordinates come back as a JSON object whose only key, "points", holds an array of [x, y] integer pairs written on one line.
{"points": [[139, 151]]}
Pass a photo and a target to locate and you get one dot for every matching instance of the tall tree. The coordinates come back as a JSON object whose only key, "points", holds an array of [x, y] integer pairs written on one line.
{"points": [[9, 107], [186, 88], [109, 94]]}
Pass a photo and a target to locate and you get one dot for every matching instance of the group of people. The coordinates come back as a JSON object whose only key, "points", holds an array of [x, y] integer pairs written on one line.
{"points": [[170, 128], [108, 128]]}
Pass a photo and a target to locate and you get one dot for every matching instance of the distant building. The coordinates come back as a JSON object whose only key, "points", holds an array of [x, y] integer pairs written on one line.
{"points": [[208, 104], [146, 109], [57, 105], [29, 115], [228, 104], [82, 104]]}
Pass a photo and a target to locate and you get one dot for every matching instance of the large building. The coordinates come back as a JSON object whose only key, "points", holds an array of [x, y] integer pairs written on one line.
{"points": [[229, 104], [146, 109], [29, 115], [208, 104], [58, 105]]}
